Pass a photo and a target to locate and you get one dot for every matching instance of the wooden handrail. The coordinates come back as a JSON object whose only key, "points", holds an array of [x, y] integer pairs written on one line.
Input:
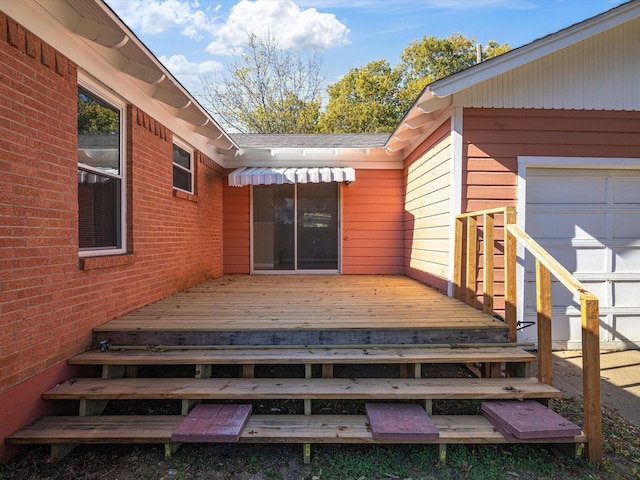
{"points": [[546, 267]]}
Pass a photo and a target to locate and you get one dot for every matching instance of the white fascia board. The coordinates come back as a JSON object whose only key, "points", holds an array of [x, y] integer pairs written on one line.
{"points": [[358, 158], [530, 52], [50, 20]]}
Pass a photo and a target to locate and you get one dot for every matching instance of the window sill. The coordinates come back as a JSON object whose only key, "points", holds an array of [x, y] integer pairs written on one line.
{"points": [[185, 196], [107, 261]]}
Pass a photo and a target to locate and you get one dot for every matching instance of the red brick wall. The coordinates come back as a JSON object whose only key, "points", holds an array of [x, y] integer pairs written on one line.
{"points": [[50, 299]]}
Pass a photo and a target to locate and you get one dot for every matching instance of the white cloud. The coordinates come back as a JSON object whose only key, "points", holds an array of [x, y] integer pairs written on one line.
{"points": [[291, 26], [189, 73], [158, 16]]}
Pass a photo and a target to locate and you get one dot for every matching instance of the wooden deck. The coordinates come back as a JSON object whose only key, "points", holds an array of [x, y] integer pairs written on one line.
{"points": [[305, 310], [301, 320]]}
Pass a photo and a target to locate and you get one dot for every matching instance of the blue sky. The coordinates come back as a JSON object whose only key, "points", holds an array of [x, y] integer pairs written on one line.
{"points": [[194, 38]]}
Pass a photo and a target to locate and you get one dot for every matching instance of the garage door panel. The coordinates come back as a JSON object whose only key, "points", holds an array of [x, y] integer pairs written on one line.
{"points": [[626, 294], [626, 225], [575, 259], [569, 225], [625, 190], [626, 328], [565, 189], [589, 220], [626, 259], [562, 297], [564, 329]]}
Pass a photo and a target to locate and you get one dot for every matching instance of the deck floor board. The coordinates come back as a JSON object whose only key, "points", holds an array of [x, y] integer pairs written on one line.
{"points": [[234, 304]]}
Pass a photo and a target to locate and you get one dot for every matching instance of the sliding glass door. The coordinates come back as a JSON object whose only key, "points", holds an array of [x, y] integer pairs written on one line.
{"points": [[295, 227]]}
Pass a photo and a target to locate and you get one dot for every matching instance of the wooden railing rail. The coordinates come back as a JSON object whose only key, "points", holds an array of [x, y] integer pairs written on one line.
{"points": [[546, 266]]}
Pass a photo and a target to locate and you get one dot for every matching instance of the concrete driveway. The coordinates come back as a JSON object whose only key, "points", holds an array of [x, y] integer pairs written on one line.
{"points": [[620, 373]]}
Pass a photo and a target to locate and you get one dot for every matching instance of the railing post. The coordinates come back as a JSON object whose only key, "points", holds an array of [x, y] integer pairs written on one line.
{"points": [[591, 388], [472, 262], [488, 265], [457, 259], [543, 307], [510, 272]]}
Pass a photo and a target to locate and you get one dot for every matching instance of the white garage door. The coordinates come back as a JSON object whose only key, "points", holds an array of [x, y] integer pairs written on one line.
{"points": [[589, 220]]}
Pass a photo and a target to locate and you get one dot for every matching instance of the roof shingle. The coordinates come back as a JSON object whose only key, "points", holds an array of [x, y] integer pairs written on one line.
{"points": [[315, 140]]}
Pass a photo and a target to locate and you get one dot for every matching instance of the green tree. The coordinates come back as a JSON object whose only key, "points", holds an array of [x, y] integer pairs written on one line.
{"points": [[425, 61], [364, 100], [268, 91], [374, 98]]}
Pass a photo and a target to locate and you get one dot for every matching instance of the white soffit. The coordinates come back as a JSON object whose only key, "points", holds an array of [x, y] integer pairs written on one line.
{"points": [[289, 175]]}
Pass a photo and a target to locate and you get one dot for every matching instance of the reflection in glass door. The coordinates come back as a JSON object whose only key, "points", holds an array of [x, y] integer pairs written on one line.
{"points": [[317, 226], [273, 227], [295, 227]]}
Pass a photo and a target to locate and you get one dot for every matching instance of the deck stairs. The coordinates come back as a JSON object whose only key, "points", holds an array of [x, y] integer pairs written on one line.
{"points": [[315, 380]]}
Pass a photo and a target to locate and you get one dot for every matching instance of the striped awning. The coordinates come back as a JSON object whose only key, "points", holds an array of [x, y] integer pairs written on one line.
{"points": [[274, 176]]}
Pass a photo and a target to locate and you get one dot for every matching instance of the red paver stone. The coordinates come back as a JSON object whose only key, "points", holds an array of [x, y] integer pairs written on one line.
{"points": [[212, 423], [390, 421], [528, 420]]}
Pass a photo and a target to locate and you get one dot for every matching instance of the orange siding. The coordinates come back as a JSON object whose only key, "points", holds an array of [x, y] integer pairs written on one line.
{"points": [[427, 204], [494, 138], [372, 223], [236, 238]]}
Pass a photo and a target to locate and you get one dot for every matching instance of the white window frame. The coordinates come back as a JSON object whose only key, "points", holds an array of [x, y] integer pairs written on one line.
{"points": [[192, 171], [120, 105]]}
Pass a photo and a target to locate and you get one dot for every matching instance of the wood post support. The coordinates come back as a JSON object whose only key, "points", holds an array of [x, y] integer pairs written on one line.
{"points": [[442, 454], [60, 450], [92, 407], [428, 406], [472, 261], [510, 275], [591, 387], [327, 370], [204, 371], [488, 263], [248, 370], [170, 449], [306, 448], [543, 306], [113, 371]]}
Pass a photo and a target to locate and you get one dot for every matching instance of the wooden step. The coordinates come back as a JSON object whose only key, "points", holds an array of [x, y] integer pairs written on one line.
{"points": [[297, 388], [313, 355], [126, 429]]}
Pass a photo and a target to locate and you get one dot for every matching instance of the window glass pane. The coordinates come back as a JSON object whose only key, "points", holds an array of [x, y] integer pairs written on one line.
{"points": [[318, 226], [181, 157], [273, 227], [99, 211], [181, 179], [98, 133]]}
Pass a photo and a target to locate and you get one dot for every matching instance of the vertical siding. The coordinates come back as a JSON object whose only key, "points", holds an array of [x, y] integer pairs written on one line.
{"points": [[598, 73], [237, 236], [494, 138], [372, 223], [427, 205]]}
